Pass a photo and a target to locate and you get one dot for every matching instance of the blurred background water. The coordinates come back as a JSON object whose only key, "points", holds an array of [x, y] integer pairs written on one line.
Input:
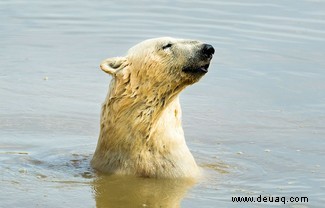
{"points": [[255, 123]]}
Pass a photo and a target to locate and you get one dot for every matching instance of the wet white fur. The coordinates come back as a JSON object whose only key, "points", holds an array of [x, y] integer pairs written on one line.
{"points": [[141, 131]]}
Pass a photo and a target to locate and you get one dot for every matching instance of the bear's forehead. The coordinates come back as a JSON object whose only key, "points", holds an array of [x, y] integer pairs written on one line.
{"points": [[158, 41], [154, 42]]}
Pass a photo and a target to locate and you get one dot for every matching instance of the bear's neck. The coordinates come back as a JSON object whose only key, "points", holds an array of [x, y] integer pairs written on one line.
{"points": [[143, 134], [138, 113]]}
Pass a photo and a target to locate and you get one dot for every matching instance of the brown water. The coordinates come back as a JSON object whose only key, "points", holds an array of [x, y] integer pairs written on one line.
{"points": [[255, 123]]}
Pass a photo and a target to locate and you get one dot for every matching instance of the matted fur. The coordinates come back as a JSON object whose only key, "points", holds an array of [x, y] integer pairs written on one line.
{"points": [[140, 129]]}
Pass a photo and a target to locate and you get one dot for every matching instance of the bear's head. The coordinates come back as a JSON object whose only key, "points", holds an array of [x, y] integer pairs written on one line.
{"points": [[162, 62]]}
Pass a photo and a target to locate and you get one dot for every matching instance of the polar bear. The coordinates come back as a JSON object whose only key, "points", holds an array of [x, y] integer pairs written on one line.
{"points": [[140, 129]]}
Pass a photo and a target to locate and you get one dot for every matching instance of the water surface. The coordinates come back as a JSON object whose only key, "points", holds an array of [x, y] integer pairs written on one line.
{"points": [[255, 122]]}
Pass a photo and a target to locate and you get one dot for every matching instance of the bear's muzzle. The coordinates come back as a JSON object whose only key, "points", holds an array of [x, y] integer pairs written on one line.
{"points": [[201, 62]]}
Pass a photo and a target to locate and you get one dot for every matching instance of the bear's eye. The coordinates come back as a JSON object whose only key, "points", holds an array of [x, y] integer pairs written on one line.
{"points": [[168, 45]]}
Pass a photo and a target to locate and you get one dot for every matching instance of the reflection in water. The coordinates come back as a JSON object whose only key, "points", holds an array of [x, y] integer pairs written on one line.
{"points": [[126, 191]]}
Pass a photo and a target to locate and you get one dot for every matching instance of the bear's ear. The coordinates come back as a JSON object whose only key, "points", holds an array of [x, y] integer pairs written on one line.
{"points": [[113, 65]]}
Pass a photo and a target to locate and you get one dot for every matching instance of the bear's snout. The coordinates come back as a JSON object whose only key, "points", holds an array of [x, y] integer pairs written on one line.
{"points": [[199, 63], [207, 50]]}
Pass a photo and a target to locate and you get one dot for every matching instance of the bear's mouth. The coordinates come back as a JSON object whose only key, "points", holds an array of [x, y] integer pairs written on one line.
{"points": [[197, 70], [204, 68]]}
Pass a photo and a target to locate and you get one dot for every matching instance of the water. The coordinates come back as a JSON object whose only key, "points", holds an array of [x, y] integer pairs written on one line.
{"points": [[255, 123]]}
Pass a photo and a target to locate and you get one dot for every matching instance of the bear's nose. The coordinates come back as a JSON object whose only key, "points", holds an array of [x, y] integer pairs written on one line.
{"points": [[207, 50]]}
